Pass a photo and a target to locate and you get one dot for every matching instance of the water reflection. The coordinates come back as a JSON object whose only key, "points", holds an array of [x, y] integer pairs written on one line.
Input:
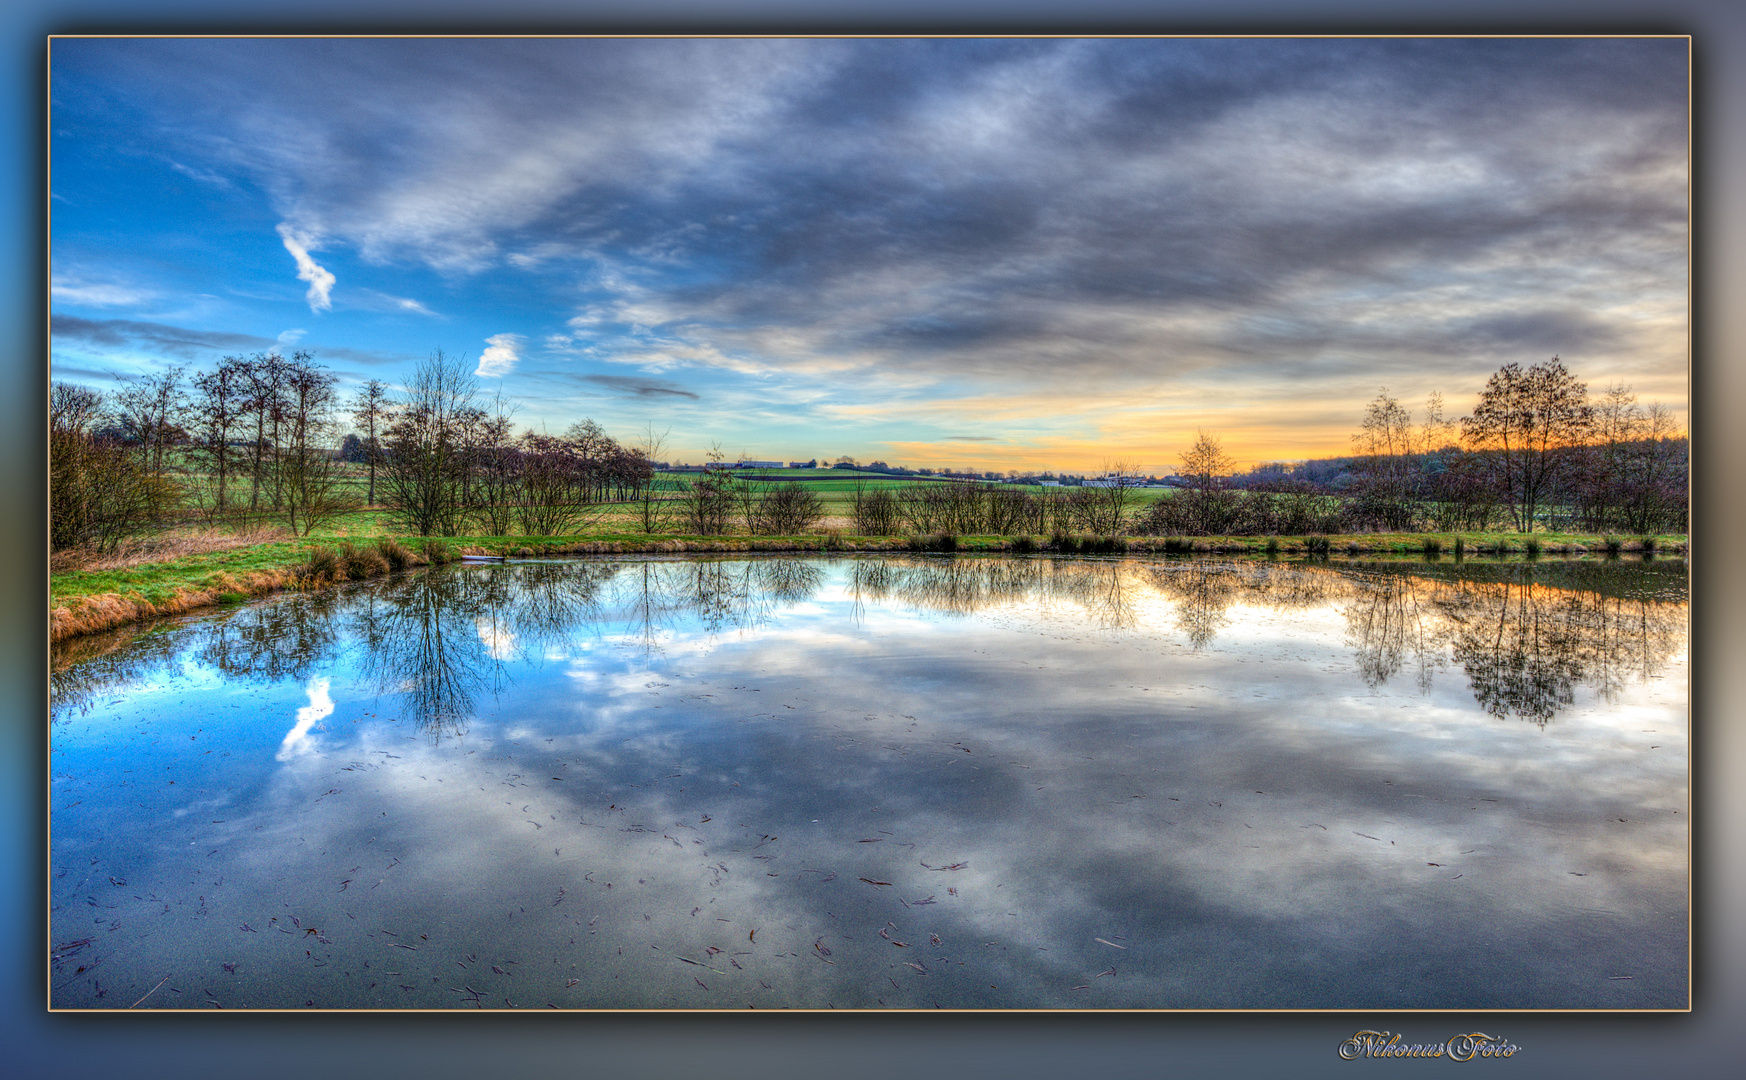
{"points": [[898, 781], [1525, 636]]}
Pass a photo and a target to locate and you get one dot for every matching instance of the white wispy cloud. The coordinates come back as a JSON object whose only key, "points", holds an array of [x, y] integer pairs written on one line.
{"points": [[73, 290], [320, 280], [502, 352], [291, 337]]}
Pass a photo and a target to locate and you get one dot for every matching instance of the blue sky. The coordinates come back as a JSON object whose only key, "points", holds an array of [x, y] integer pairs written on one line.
{"points": [[1000, 253]]}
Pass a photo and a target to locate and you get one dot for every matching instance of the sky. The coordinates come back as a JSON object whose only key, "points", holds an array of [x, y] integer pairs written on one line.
{"points": [[966, 253]]}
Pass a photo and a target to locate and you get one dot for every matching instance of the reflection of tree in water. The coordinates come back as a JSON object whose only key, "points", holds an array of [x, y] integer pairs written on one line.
{"points": [[1204, 589], [280, 640], [1526, 646], [1389, 619], [1526, 635], [84, 668], [720, 594], [422, 637], [959, 586]]}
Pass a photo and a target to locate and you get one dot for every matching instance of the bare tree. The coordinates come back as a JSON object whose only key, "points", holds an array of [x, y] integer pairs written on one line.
{"points": [[307, 470], [1529, 426], [1206, 469], [649, 505], [100, 488], [216, 415], [425, 463], [1386, 466], [373, 412]]}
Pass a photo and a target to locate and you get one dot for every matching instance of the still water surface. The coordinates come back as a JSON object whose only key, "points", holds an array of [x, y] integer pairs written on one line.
{"points": [[860, 782]]}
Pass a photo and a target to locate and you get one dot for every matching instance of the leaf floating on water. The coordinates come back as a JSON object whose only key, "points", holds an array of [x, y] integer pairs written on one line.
{"points": [[954, 866], [1111, 944], [928, 900], [870, 881]]}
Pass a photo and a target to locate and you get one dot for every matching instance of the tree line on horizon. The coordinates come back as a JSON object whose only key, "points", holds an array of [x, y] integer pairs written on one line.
{"points": [[260, 438]]}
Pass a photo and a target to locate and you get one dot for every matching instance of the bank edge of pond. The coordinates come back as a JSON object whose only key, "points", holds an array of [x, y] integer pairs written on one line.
{"points": [[80, 602]]}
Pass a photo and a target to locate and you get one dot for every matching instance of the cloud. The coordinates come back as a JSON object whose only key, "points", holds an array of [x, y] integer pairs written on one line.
{"points": [[944, 221], [380, 301], [500, 355], [289, 338], [159, 337], [71, 290], [631, 386], [320, 280], [971, 438]]}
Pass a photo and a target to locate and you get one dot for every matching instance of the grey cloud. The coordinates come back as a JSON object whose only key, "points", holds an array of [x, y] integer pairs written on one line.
{"points": [[958, 207], [638, 387], [171, 340], [971, 438]]}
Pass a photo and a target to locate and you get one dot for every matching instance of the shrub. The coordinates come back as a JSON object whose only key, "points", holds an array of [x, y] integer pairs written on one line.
{"points": [[1024, 544], [1178, 545], [875, 513], [788, 509]]}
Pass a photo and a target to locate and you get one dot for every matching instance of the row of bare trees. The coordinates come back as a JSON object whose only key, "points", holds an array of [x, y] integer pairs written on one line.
{"points": [[255, 438], [1535, 451], [250, 437]]}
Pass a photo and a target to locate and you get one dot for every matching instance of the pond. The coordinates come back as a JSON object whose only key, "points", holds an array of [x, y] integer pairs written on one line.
{"points": [[862, 782]]}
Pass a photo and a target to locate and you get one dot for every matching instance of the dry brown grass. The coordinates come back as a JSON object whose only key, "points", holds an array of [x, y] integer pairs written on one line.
{"points": [[179, 544], [90, 614]]}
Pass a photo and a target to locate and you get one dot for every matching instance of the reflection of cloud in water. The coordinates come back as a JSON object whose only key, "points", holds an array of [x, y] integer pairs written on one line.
{"points": [[1235, 772], [297, 740], [499, 640]]}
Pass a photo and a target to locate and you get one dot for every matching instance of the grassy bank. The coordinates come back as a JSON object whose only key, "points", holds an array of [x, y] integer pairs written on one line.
{"points": [[115, 592]]}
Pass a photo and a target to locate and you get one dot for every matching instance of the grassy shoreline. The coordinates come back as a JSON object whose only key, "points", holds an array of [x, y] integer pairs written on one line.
{"points": [[89, 601]]}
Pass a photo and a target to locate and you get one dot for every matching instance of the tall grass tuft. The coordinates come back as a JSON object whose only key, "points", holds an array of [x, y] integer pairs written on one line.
{"points": [[1460, 546], [399, 556], [1532, 544], [359, 563], [322, 566], [1178, 545], [1024, 544], [1317, 545], [1648, 545], [436, 552], [1433, 546], [1272, 546], [1613, 546]]}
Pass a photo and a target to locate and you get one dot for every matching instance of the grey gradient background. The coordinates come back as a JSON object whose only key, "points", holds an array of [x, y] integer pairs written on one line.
{"points": [[1707, 1042]]}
